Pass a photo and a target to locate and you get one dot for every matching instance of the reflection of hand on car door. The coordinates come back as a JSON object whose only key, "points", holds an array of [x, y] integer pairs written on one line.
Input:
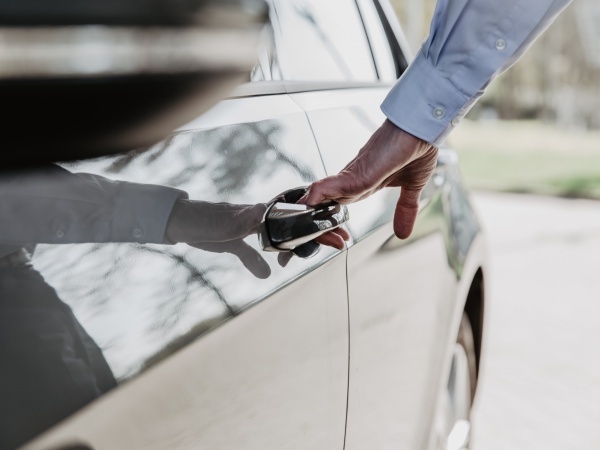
{"points": [[219, 228]]}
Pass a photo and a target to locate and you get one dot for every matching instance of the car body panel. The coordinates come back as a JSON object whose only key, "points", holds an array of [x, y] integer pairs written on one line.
{"points": [[144, 303], [245, 163], [401, 294], [343, 121], [273, 377], [345, 350]]}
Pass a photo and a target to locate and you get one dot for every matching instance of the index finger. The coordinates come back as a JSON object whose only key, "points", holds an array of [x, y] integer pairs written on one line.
{"points": [[320, 191], [312, 197]]}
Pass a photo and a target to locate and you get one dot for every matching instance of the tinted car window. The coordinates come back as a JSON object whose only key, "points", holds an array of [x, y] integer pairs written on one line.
{"points": [[320, 40]]}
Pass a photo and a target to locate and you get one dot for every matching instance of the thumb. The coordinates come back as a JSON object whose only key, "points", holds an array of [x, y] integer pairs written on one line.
{"points": [[406, 212], [251, 259]]}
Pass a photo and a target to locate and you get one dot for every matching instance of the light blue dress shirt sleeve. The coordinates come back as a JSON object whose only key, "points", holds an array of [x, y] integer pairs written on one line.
{"points": [[470, 43]]}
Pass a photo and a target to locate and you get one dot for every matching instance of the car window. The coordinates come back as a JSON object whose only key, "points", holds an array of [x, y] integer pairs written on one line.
{"points": [[320, 40], [382, 52], [267, 65]]}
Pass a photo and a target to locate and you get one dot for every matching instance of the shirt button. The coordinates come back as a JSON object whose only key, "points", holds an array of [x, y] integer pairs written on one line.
{"points": [[439, 113], [455, 121], [137, 233], [500, 44], [60, 234]]}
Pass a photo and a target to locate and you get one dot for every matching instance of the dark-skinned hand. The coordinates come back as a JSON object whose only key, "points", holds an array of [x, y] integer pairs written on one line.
{"points": [[391, 158]]}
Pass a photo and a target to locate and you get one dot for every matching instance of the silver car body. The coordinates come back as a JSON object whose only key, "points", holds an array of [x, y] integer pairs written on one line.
{"points": [[346, 350]]}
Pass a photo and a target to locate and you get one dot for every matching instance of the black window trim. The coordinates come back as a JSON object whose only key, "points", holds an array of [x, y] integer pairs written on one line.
{"points": [[395, 36]]}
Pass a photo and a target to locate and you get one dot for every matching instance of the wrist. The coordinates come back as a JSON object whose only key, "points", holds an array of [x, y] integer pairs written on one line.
{"points": [[407, 140], [401, 147], [175, 230]]}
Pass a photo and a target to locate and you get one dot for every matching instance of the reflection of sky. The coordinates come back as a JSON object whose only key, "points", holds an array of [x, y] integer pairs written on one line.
{"points": [[321, 41], [135, 299]]}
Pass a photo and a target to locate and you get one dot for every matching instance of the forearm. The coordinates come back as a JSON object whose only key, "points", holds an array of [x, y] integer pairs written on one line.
{"points": [[470, 44]]}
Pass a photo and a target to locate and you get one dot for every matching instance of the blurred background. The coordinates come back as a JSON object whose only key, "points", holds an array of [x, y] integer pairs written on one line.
{"points": [[547, 103], [530, 151]]}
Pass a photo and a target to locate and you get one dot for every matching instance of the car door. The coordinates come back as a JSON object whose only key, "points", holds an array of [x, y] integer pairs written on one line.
{"points": [[401, 293], [209, 351]]}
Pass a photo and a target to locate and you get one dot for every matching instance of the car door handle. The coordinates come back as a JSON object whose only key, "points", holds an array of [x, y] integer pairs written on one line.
{"points": [[288, 226]]}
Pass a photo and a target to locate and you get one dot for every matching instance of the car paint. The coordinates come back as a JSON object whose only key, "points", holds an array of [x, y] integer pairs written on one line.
{"points": [[400, 324], [401, 294], [346, 350], [291, 354]]}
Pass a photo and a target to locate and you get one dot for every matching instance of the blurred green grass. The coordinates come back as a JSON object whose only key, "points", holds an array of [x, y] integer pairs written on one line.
{"points": [[529, 157]]}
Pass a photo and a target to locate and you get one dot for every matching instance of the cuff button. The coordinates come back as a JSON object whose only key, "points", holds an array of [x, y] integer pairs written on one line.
{"points": [[439, 113], [137, 233]]}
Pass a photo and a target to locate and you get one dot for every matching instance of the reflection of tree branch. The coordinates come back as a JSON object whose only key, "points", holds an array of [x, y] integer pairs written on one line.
{"points": [[239, 154], [195, 276], [114, 260], [227, 160], [123, 161], [186, 175], [305, 172]]}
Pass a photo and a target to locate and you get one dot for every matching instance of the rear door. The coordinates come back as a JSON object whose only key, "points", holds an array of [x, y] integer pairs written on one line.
{"points": [[209, 351], [401, 293]]}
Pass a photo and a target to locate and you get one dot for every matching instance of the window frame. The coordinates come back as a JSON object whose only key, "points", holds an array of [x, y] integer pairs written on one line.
{"points": [[395, 36], [398, 49]]}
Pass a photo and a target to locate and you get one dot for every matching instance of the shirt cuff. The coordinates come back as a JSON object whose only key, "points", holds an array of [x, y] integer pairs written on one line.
{"points": [[424, 102], [142, 212]]}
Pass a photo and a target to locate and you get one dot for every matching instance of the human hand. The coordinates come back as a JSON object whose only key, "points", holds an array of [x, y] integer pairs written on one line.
{"points": [[334, 238], [219, 228], [391, 158]]}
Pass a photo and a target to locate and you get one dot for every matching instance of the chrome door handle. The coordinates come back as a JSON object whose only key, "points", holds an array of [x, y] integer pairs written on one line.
{"points": [[290, 227]]}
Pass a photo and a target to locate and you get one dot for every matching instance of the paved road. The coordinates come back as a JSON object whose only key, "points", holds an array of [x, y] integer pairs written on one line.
{"points": [[541, 379]]}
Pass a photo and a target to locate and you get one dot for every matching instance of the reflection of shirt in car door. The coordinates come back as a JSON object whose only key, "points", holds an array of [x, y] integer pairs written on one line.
{"points": [[54, 206], [51, 366]]}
